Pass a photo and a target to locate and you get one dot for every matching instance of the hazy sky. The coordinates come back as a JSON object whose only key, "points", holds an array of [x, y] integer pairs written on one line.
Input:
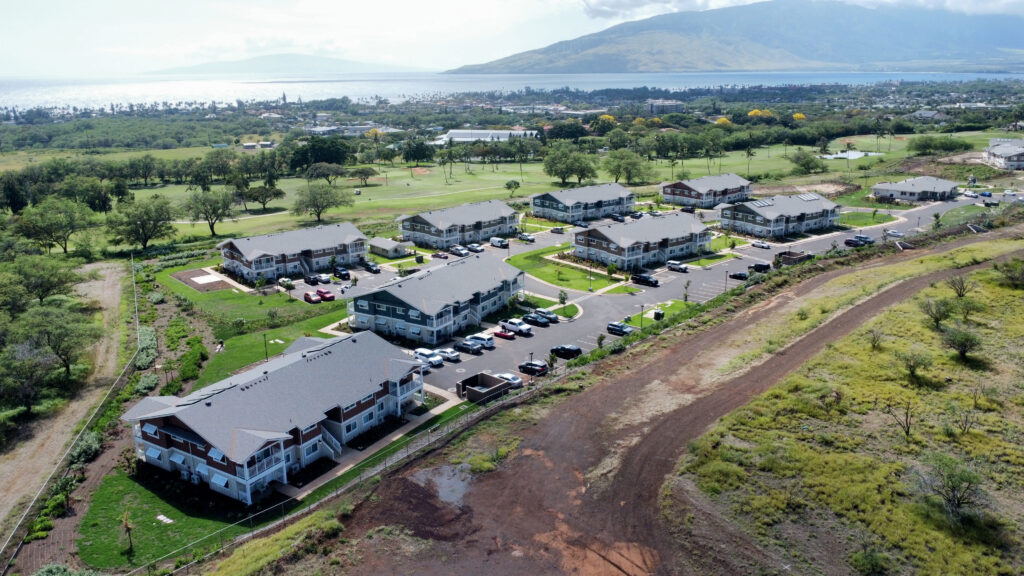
{"points": [[118, 37]]}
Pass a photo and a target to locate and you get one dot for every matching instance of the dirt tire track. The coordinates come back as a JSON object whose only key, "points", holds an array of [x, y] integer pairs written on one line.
{"points": [[26, 466]]}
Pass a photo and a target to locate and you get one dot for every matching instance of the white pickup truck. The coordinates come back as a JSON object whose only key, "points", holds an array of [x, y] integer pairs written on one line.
{"points": [[516, 325]]}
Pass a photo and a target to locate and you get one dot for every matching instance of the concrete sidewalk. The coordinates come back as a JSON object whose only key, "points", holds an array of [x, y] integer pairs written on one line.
{"points": [[351, 457]]}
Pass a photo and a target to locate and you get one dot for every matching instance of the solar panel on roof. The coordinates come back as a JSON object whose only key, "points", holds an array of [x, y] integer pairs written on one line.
{"points": [[762, 203], [808, 197]]}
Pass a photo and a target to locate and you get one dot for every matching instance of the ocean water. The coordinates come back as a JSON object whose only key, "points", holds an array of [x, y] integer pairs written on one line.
{"points": [[66, 93]]}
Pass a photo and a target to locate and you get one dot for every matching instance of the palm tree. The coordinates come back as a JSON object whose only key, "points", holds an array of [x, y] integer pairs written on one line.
{"points": [[850, 147], [127, 526], [750, 154]]}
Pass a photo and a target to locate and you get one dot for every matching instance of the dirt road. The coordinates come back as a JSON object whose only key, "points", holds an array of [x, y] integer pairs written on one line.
{"points": [[582, 494], [24, 467]]}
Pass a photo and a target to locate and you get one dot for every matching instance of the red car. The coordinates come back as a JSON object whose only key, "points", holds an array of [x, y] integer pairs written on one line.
{"points": [[311, 297], [325, 294], [505, 334]]}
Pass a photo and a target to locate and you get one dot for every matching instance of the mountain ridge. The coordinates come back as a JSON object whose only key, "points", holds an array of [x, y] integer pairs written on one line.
{"points": [[783, 35]]}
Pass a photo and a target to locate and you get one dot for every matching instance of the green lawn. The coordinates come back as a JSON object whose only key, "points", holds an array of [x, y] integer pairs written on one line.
{"points": [[623, 289], [861, 219], [719, 243], [958, 215], [711, 259], [247, 349], [534, 264], [543, 223], [859, 199], [534, 301], [231, 304], [567, 311], [103, 545], [668, 308]]}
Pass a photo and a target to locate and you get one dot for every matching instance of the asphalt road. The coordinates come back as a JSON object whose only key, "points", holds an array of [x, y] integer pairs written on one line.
{"points": [[599, 309]]}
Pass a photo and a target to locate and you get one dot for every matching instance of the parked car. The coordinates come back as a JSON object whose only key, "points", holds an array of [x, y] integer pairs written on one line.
{"points": [[991, 203], [513, 380], [505, 334], [970, 194], [285, 282], [534, 367], [526, 237], [739, 275], [469, 346], [655, 212], [311, 297], [617, 217], [1009, 193], [558, 230], [516, 325], [311, 279], [483, 339], [449, 354], [894, 234], [645, 279], [342, 273], [429, 356], [325, 294], [853, 243], [566, 351], [440, 255], [459, 250], [761, 244], [323, 278], [636, 215], [620, 329], [547, 315], [864, 238], [985, 193], [581, 224], [677, 266], [759, 267], [475, 248], [536, 320], [370, 266], [499, 242]]}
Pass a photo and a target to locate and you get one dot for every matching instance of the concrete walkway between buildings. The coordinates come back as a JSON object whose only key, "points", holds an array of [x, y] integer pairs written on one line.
{"points": [[351, 457]]}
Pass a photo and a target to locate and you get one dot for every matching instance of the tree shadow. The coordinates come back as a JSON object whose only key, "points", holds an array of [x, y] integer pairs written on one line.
{"points": [[975, 526], [976, 363]]}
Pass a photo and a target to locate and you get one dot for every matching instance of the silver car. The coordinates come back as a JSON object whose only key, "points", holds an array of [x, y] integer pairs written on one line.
{"points": [[449, 354], [512, 379]]}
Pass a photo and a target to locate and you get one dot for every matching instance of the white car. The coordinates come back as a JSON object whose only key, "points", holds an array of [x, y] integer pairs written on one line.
{"points": [[483, 339], [511, 378], [760, 244], [970, 194], [517, 325], [894, 234], [1009, 193], [475, 248], [449, 354], [429, 356]]}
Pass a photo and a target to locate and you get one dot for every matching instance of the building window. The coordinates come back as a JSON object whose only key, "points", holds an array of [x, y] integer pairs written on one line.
{"points": [[349, 407], [381, 307], [309, 429], [311, 449], [367, 398], [362, 304], [350, 427], [368, 417]]}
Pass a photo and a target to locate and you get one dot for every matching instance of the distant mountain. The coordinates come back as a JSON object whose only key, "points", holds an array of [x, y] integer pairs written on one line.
{"points": [[286, 64], [784, 35]]}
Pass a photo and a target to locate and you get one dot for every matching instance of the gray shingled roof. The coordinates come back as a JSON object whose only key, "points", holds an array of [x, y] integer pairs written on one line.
{"points": [[239, 414], [650, 229], [570, 196], [386, 243], [716, 182], [772, 208], [466, 214], [1006, 149], [432, 289], [294, 241], [919, 184]]}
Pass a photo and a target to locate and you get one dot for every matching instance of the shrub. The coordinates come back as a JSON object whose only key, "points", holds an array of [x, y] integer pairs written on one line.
{"points": [[717, 476], [146, 384], [87, 448], [147, 348], [192, 361], [870, 562], [156, 297]]}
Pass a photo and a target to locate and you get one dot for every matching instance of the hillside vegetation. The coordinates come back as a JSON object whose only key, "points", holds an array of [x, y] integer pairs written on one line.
{"points": [[889, 441]]}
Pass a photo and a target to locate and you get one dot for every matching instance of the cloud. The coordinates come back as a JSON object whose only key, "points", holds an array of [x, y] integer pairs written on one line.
{"points": [[636, 9]]}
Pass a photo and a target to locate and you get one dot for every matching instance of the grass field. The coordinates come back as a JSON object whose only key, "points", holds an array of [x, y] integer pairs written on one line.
{"points": [[247, 349], [623, 289], [861, 219], [710, 259], [567, 311], [719, 243], [534, 264], [821, 445], [667, 307]]}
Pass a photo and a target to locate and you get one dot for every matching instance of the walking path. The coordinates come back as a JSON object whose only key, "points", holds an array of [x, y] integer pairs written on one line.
{"points": [[351, 458]]}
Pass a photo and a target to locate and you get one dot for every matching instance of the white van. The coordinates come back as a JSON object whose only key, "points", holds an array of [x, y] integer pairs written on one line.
{"points": [[485, 340], [499, 242]]}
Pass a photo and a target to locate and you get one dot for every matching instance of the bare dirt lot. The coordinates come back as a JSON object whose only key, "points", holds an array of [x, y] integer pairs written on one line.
{"points": [[26, 466], [586, 491], [827, 189], [187, 277]]}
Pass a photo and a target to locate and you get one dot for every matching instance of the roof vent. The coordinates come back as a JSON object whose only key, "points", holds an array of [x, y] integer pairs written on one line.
{"points": [[264, 371], [208, 403]]}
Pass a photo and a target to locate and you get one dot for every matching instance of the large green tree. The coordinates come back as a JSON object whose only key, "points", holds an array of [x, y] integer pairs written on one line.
{"points": [[418, 151], [64, 332], [44, 276], [211, 206], [53, 221], [317, 198], [263, 195], [142, 221], [327, 171]]}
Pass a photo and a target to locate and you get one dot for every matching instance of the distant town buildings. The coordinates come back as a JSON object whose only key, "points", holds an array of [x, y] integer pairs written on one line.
{"points": [[660, 106], [464, 136]]}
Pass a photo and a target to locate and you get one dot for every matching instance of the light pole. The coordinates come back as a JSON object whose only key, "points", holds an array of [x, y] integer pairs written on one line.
{"points": [[590, 273], [725, 285], [642, 316], [919, 222]]}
